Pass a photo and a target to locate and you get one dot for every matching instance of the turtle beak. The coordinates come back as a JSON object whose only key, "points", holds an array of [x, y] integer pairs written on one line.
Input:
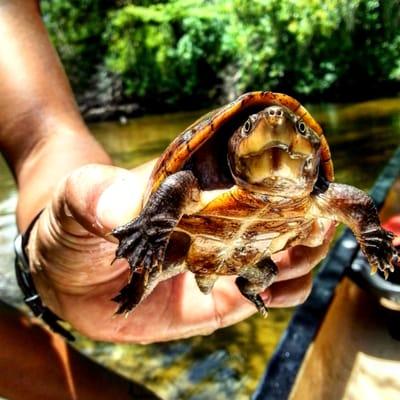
{"points": [[273, 128], [274, 150]]}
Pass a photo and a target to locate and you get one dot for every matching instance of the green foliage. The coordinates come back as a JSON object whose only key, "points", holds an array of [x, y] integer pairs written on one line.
{"points": [[315, 47], [76, 27], [188, 52], [167, 52]]}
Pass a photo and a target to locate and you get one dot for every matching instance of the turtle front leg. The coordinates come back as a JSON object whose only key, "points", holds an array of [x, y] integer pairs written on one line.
{"points": [[144, 240], [356, 209]]}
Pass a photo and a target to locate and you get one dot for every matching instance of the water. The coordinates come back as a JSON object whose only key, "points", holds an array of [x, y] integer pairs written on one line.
{"points": [[228, 363]]}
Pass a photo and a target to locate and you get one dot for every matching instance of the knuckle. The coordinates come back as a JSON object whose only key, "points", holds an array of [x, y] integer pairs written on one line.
{"points": [[304, 289], [306, 292]]}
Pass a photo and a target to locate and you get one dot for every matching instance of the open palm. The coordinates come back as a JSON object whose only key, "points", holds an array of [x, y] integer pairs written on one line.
{"points": [[71, 251]]}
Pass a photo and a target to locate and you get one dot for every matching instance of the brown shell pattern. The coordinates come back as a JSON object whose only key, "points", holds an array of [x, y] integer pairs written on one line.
{"points": [[180, 149]]}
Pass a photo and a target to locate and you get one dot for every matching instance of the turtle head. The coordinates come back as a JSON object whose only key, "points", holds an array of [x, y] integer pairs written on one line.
{"points": [[274, 152]]}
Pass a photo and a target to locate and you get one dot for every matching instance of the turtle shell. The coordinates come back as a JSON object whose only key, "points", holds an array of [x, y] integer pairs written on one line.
{"points": [[233, 114]]}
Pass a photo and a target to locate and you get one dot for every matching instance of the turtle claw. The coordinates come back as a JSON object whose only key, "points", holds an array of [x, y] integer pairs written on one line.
{"points": [[123, 300], [142, 243], [380, 252], [386, 274], [131, 294]]}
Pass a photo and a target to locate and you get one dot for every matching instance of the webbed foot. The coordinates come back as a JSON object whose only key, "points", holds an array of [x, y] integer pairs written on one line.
{"points": [[246, 288], [143, 242], [253, 280], [377, 246], [131, 294]]}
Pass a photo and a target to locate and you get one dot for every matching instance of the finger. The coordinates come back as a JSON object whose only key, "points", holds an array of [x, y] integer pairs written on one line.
{"points": [[226, 306], [288, 293], [299, 260], [101, 197], [232, 307], [194, 313]]}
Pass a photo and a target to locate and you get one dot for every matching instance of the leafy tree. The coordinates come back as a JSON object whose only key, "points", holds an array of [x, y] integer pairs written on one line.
{"points": [[181, 53], [76, 28]]}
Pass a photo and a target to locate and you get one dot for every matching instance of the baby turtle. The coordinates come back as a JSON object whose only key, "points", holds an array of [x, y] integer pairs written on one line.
{"points": [[243, 182]]}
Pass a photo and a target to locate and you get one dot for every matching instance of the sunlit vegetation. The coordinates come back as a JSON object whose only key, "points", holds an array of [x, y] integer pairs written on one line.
{"points": [[190, 53]]}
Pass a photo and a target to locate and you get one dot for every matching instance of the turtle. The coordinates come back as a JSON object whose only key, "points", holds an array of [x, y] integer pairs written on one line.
{"points": [[245, 181]]}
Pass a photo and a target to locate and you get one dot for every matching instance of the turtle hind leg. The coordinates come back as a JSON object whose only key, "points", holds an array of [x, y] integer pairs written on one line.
{"points": [[251, 292], [255, 279], [141, 284], [131, 294], [206, 282]]}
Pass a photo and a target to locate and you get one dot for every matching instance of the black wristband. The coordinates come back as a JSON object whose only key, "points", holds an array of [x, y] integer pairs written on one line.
{"points": [[25, 282]]}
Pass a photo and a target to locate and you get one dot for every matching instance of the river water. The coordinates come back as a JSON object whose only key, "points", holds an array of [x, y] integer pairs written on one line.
{"points": [[228, 363]]}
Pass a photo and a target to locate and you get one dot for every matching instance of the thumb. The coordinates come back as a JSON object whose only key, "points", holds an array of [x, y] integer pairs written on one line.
{"points": [[102, 197]]}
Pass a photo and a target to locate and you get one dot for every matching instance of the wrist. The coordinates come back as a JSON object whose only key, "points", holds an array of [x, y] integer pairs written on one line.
{"points": [[59, 148], [34, 128], [27, 286]]}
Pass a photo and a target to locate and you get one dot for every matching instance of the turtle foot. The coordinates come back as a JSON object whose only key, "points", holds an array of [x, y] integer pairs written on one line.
{"points": [[261, 307], [245, 288], [131, 294], [143, 242], [254, 279], [380, 252]]}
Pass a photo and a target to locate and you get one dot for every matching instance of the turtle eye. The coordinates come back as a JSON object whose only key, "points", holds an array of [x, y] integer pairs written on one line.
{"points": [[247, 126], [301, 127]]}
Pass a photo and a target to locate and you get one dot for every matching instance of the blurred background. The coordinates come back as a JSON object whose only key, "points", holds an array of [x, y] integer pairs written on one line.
{"points": [[180, 54], [167, 62]]}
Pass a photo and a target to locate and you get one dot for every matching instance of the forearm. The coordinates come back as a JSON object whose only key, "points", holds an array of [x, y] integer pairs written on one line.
{"points": [[42, 134], [47, 164]]}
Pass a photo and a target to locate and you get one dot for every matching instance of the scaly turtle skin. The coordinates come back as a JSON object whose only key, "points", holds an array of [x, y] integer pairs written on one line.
{"points": [[245, 181]]}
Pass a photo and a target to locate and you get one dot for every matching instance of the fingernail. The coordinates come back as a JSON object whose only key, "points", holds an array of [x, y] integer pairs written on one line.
{"points": [[119, 203]]}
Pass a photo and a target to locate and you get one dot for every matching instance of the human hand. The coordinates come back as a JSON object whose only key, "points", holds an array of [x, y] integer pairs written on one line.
{"points": [[71, 251], [393, 225]]}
